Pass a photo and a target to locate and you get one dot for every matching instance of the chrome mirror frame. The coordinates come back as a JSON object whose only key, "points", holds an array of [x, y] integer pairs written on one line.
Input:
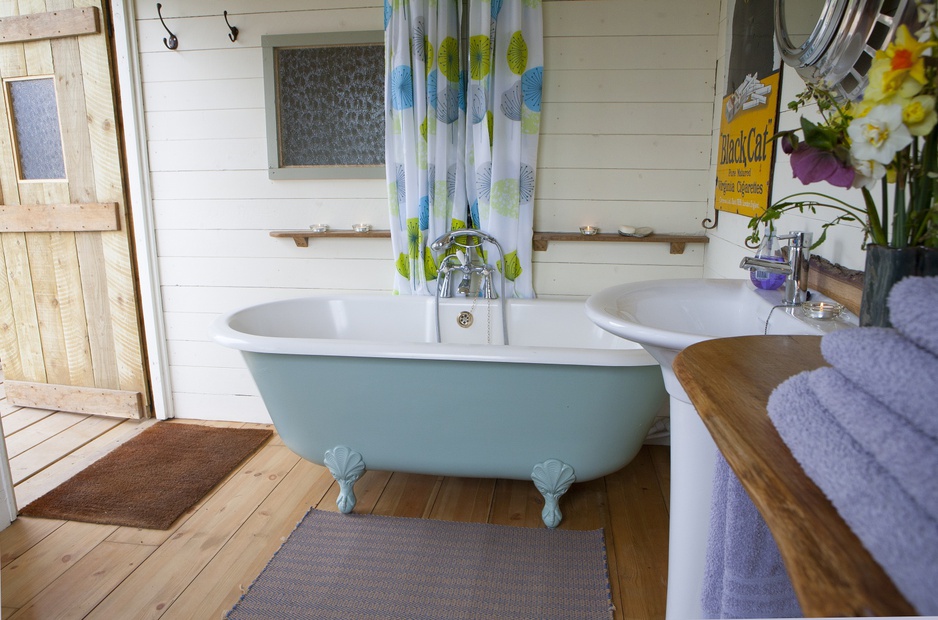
{"points": [[838, 52]]}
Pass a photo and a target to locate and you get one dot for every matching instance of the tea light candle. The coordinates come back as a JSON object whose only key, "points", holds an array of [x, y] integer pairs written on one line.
{"points": [[319, 228], [589, 230], [361, 228]]}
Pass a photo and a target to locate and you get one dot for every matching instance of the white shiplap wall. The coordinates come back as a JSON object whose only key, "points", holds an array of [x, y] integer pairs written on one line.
{"points": [[726, 248], [626, 139]]}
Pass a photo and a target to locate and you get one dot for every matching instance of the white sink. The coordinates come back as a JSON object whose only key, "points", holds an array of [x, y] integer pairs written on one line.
{"points": [[675, 314], [666, 316]]}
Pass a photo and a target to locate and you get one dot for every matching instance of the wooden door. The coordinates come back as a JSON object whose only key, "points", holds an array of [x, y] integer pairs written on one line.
{"points": [[70, 333]]}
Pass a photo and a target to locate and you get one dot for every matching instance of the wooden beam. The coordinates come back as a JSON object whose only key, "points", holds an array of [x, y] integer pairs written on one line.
{"points": [[98, 401], [76, 217], [50, 25]]}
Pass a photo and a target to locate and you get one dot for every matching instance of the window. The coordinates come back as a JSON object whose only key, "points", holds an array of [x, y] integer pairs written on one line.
{"points": [[324, 97], [34, 115]]}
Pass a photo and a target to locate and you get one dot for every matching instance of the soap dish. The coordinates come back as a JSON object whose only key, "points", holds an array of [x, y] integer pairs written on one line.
{"points": [[628, 231], [822, 310]]}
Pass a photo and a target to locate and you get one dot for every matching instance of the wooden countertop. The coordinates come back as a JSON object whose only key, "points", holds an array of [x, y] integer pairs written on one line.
{"points": [[729, 381]]}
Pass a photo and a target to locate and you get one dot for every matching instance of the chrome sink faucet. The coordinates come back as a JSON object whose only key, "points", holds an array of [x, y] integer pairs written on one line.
{"points": [[797, 256]]}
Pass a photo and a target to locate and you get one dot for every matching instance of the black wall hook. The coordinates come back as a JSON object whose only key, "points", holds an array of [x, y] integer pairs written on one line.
{"points": [[171, 43], [234, 30]]}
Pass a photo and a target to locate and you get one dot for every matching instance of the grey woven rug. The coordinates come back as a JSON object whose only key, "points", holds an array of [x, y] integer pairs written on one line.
{"points": [[367, 566]]}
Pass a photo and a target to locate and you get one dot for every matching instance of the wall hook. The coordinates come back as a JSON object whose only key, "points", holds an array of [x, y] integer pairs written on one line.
{"points": [[233, 35], [171, 43], [711, 224]]}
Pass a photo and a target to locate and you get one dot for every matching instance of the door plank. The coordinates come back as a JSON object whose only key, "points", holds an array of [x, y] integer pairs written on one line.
{"points": [[74, 322], [26, 322], [69, 23], [48, 309], [12, 364], [97, 401], [80, 216], [12, 61]]}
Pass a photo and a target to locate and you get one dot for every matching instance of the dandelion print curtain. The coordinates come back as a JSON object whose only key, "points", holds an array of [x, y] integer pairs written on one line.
{"points": [[506, 65], [425, 134], [463, 116]]}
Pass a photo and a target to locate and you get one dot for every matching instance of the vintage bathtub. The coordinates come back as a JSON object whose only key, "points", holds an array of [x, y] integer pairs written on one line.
{"points": [[359, 381]]}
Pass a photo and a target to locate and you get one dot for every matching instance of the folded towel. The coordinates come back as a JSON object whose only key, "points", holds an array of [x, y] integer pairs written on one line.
{"points": [[899, 534], [908, 454], [744, 576], [913, 310], [890, 368]]}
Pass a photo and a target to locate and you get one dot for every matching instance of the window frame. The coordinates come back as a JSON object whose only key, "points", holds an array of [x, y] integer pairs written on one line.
{"points": [[270, 44]]}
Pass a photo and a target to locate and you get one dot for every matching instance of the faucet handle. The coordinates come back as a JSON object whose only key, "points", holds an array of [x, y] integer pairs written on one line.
{"points": [[798, 238]]}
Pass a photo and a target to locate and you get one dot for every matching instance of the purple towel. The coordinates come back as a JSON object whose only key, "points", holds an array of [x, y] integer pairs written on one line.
{"points": [[913, 310], [744, 576], [908, 454], [890, 368], [892, 526]]}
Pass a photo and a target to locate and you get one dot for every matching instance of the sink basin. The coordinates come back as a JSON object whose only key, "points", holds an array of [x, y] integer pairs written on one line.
{"points": [[666, 316], [674, 314]]}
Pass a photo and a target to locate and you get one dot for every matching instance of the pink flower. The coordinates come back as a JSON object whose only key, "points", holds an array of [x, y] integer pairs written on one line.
{"points": [[810, 165]]}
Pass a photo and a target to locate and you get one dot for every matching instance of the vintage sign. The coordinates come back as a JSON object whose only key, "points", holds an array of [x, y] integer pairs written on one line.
{"points": [[746, 151]]}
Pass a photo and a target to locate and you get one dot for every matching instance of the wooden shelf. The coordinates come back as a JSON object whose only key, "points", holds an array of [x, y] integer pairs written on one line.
{"points": [[831, 571], [301, 237], [678, 243]]}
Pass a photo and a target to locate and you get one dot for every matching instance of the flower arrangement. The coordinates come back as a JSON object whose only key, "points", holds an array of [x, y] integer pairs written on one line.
{"points": [[888, 137]]}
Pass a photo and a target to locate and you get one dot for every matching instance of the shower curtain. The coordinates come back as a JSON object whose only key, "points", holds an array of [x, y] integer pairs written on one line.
{"points": [[463, 98]]}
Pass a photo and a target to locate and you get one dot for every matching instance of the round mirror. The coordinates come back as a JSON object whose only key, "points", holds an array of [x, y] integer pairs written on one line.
{"points": [[832, 42]]}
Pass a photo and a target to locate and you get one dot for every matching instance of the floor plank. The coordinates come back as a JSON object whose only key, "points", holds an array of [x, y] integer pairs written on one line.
{"points": [[202, 564]]}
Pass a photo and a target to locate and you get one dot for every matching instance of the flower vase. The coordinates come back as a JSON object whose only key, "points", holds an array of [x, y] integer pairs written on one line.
{"points": [[884, 267]]}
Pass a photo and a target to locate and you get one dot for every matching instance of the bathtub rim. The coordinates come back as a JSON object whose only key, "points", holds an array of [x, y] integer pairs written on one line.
{"points": [[221, 332]]}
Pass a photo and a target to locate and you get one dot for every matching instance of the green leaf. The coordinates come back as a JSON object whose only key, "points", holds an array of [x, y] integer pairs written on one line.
{"points": [[403, 265], [430, 268], [512, 266], [517, 54], [817, 136]]}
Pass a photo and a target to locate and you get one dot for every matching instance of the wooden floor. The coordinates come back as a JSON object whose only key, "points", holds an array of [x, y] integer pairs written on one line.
{"points": [[199, 567]]}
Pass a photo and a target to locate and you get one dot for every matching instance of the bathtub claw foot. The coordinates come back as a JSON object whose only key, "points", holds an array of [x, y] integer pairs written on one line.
{"points": [[552, 478], [346, 467]]}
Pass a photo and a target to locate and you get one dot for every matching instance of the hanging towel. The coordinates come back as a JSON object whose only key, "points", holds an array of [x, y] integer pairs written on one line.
{"points": [[909, 455], [744, 575], [890, 368], [896, 530], [913, 310]]}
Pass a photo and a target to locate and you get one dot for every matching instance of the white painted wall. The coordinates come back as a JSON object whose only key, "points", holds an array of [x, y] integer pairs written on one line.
{"points": [[726, 248], [626, 139]]}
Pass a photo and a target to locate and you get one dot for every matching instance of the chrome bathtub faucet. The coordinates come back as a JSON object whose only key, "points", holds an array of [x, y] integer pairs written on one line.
{"points": [[798, 256]]}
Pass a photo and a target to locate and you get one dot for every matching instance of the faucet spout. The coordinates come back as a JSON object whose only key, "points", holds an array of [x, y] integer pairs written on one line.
{"points": [[798, 259]]}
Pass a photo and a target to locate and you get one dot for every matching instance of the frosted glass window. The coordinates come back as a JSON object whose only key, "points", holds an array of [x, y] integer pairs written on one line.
{"points": [[35, 118], [325, 105]]}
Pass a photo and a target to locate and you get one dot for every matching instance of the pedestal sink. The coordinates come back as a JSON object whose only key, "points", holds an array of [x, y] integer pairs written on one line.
{"points": [[665, 316]]}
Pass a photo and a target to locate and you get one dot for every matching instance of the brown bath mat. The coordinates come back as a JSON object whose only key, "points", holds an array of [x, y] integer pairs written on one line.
{"points": [[152, 479]]}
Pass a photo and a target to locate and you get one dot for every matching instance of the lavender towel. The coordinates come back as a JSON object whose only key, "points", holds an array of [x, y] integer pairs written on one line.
{"points": [[745, 576], [896, 530], [913, 310], [909, 455], [890, 368]]}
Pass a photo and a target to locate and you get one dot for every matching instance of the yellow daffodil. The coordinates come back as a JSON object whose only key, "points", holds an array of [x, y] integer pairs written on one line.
{"points": [[899, 71], [919, 115]]}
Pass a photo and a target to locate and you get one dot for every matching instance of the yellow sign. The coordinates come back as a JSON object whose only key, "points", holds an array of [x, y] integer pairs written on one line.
{"points": [[746, 152]]}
